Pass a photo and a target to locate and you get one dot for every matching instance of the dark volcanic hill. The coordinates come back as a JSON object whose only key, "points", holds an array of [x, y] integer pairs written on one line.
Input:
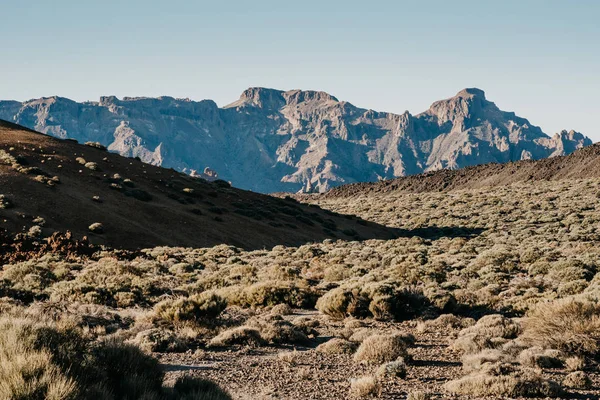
{"points": [[59, 185], [286, 141], [582, 164]]}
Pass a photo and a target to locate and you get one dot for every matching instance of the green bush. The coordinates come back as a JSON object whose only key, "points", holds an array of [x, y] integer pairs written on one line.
{"points": [[272, 293], [382, 301], [196, 308]]}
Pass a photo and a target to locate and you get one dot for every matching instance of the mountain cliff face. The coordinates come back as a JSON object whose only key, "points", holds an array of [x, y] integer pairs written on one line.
{"points": [[271, 140]]}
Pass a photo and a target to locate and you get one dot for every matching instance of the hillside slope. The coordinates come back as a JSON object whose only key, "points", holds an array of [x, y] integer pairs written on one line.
{"points": [[288, 141], [583, 163], [59, 185]]}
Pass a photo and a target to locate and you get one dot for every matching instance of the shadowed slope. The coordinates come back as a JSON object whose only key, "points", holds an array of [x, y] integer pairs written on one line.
{"points": [[61, 185]]}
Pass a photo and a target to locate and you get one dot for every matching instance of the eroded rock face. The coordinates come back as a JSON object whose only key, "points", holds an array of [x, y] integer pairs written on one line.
{"points": [[271, 140]]}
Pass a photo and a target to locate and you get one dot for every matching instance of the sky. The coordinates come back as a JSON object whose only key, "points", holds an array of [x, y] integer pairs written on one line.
{"points": [[538, 58]]}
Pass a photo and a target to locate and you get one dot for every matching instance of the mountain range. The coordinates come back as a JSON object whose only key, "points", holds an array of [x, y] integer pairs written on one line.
{"points": [[289, 141]]}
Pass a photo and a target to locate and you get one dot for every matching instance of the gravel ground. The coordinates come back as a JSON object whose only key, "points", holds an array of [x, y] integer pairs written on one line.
{"points": [[258, 373]]}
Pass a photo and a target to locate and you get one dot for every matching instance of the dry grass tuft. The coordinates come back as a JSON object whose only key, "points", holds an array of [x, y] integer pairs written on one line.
{"points": [[491, 331], [378, 349], [394, 369], [572, 326], [577, 380], [337, 346], [289, 357], [418, 395], [242, 335], [575, 363], [366, 386], [444, 322], [538, 357]]}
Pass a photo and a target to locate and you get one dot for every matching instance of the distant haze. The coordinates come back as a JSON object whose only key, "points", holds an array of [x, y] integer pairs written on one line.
{"points": [[539, 58]]}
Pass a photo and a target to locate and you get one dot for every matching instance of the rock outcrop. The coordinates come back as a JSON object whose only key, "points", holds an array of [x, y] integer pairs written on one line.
{"points": [[271, 140]]}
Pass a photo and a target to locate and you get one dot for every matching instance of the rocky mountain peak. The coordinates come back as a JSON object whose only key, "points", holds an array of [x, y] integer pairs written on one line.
{"points": [[108, 100], [471, 93], [260, 97], [300, 96], [468, 105]]}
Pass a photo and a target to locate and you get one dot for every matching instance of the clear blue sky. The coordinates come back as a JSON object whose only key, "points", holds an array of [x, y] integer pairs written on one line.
{"points": [[538, 58]]}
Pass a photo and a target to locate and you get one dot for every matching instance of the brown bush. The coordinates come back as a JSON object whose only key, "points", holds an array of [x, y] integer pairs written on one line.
{"points": [[378, 349], [514, 384], [572, 326], [196, 308], [365, 386], [337, 346]]}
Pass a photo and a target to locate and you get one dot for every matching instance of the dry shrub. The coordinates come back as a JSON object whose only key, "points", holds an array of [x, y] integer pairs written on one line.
{"points": [[242, 335], [340, 303], [281, 309], [365, 386], [572, 326], [360, 335], [32, 374], [159, 340], [289, 357], [196, 308], [418, 395], [542, 358], [486, 357], [575, 363], [337, 346], [441, 299], [501, 381], [307, 325], [271, 293], [378, 349], [382, 301], [278, 331], [491, 331], [91, 165], [577, 380], [352, 323], [97, 145], [5, 203], [33, 363], [40, 359], [444, 322], [96, 227], [394, 369]]}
